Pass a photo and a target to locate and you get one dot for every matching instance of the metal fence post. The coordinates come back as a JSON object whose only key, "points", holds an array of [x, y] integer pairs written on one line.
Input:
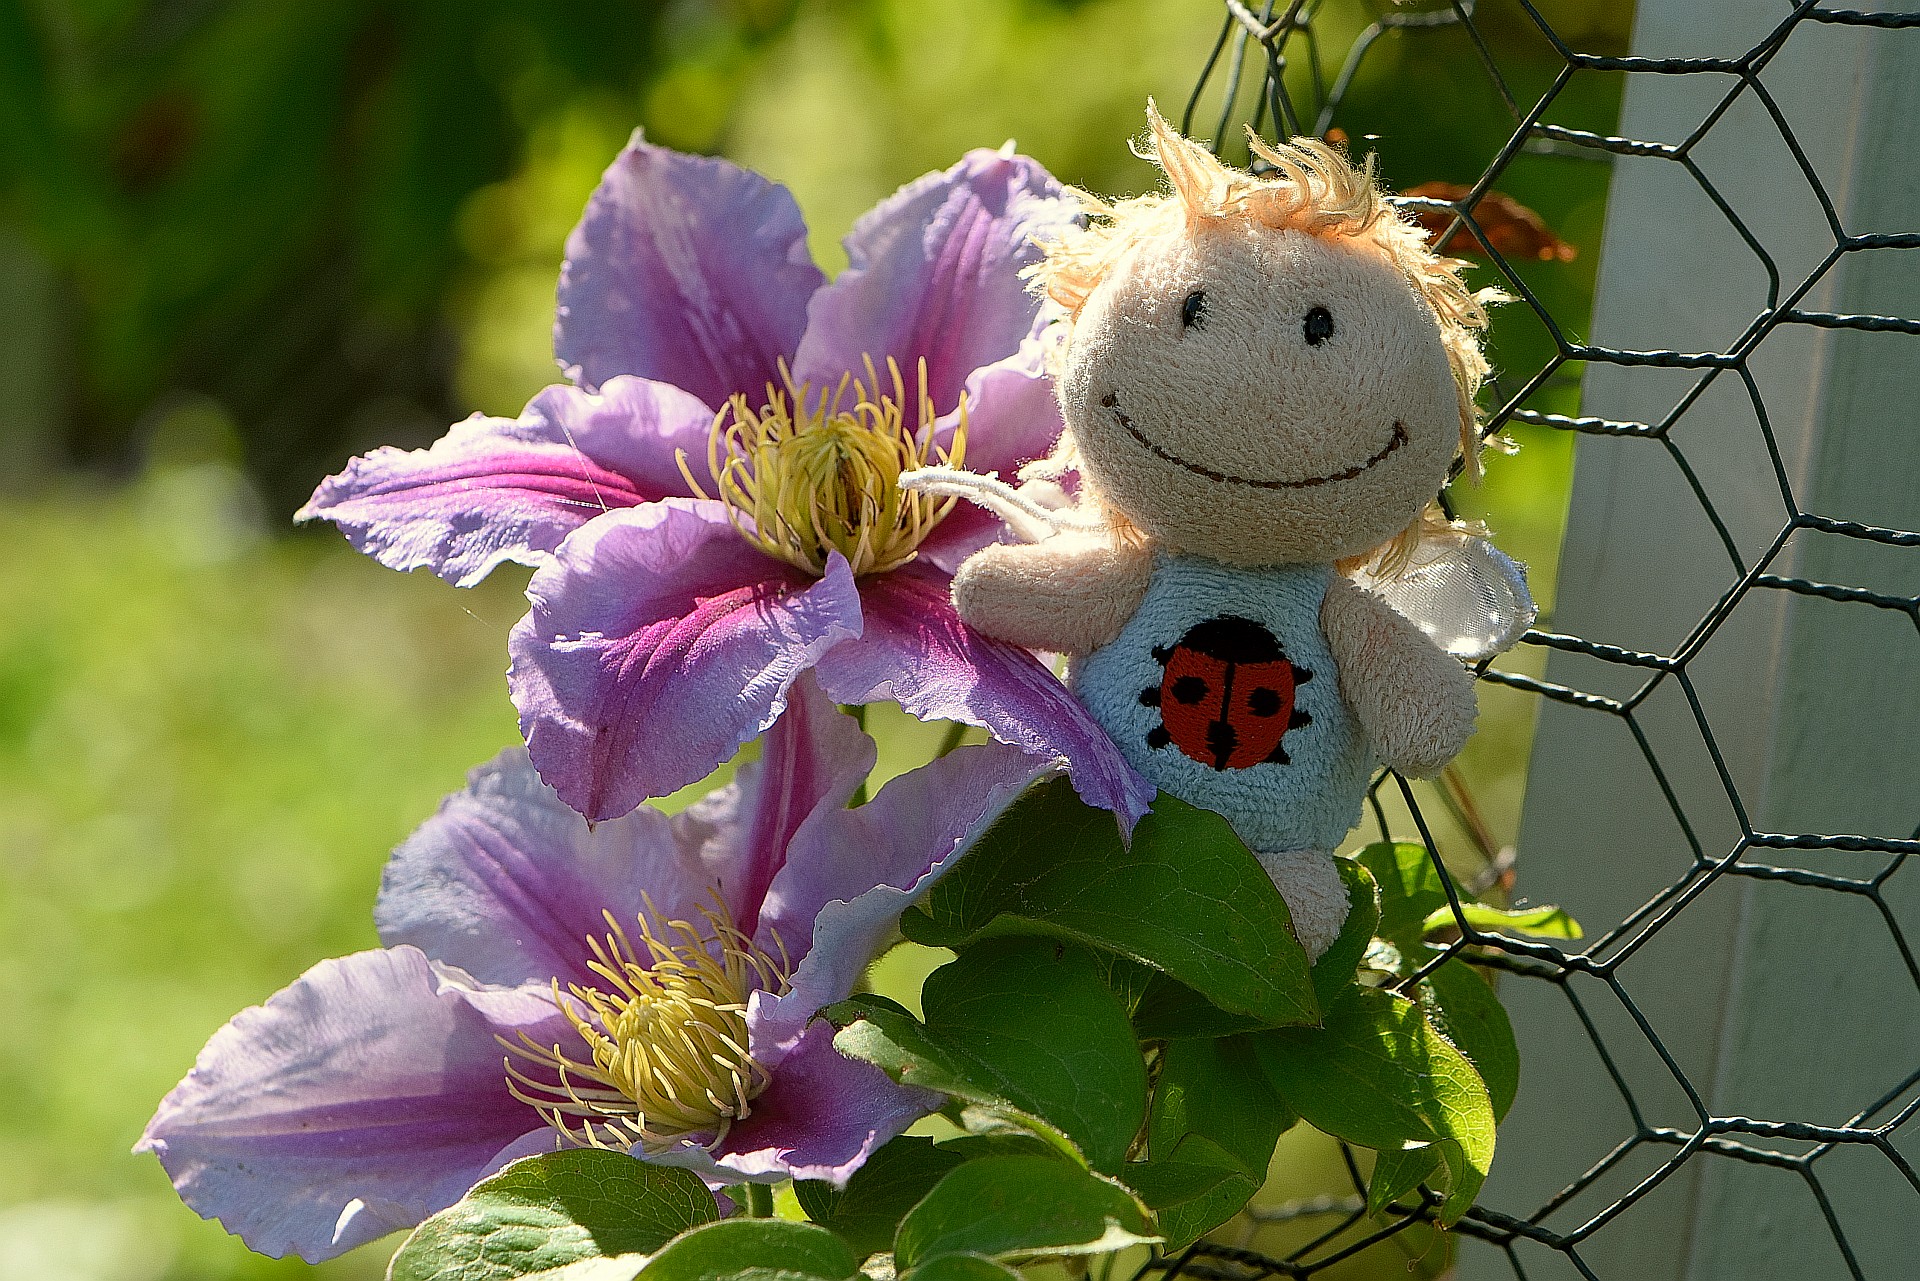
{"points": [[1792, 711]]}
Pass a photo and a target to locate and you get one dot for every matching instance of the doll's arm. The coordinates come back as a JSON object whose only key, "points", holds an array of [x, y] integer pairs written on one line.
{"points": [[1068, 595], [1414, 700]]}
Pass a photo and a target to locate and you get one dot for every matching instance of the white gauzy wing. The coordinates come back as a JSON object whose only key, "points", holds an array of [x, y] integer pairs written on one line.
{"points": [[1036, 511], [1467, 595]]}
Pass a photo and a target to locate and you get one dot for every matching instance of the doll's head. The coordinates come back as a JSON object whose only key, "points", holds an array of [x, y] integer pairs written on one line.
{"points": [[1264, 370]]}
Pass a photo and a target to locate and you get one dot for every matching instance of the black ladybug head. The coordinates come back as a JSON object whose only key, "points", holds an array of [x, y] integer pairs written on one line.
{"points": [[1231, 639]]}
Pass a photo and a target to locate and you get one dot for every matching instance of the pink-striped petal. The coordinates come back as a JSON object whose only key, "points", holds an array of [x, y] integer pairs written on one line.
{"points": [[359, 1100], [934, 272], [659, 641], [915, 651], [821, 1116], [505, 489], [507, 881], [1012, 420], [686, 269], [812, 761], [850, 873]]}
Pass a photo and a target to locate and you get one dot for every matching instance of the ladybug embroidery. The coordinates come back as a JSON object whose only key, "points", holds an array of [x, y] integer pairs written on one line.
{"points": [[1226, 695]]}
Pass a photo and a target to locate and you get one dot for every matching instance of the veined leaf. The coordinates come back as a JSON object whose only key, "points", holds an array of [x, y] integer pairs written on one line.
{"points": [[1022, 1026], [1464, 1007], [753, 1250], [1186, 897], [878, 1031], [619, 1267], [1169, 1010], [1213, 1109], [1337, 967], [1017, 1207], [1397, 1173], [961, 1267], [1410, 891], [1379, 1075], [866, 1212], [1545, 921], [550, 1211]]}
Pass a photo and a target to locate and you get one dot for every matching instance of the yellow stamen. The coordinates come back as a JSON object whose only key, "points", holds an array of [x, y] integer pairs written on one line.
{"points": [[668, 1040], [808, 474]]}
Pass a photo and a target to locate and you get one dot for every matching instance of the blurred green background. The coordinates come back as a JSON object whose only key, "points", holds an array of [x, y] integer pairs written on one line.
{"points": [[242, 241]]}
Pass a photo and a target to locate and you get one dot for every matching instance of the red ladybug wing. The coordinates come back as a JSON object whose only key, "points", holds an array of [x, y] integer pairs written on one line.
{"points": [[1260, 708], [1190, 700]]}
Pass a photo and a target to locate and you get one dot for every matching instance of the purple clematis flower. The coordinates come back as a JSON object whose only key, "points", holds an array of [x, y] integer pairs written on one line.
{"points": [[531, 963], [712, 508]]}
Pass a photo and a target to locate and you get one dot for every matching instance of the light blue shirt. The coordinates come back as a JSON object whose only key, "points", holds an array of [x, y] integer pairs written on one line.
{"points": [[1196, 688]]}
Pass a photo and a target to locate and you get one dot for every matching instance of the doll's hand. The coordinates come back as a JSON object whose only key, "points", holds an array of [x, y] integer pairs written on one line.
{"points": [[1068, 595], [1414, 700]]}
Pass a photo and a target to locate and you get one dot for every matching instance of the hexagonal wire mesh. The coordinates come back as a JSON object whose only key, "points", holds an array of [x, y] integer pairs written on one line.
{"points": [[1256, 48]]}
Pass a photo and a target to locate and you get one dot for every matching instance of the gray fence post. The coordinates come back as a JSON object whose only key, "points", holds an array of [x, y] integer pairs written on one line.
{"points": [[1793, 714]]}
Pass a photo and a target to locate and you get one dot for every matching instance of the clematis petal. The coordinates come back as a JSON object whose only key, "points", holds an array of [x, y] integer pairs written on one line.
{"points": [[359, 1100], [850, 873], [507, 881], [915, 651], [934, 271], [505, 489], [686, 269], [659, 641], [811, 762], [821, 1117], [1012, 419]]}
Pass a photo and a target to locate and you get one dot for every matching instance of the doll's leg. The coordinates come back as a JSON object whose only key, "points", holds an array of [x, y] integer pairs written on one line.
{"points": [[1316, 896]]}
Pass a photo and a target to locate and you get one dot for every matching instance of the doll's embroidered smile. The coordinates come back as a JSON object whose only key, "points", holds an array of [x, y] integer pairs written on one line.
{"points": [[1399, 438]]}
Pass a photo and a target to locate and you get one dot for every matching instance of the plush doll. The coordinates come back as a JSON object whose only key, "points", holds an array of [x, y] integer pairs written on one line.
{"points": [[1265, 381]]}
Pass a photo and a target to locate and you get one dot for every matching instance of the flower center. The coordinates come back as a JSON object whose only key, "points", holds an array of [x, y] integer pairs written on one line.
{"points": [[813, 472], [667, 1041]]}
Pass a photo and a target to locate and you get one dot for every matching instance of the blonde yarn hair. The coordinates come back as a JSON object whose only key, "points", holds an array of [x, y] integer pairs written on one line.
{"points": [[1312, 188]]}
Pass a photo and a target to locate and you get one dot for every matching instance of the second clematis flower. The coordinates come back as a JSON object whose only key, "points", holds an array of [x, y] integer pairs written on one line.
{"points": [[646, 984], [713, 506]]}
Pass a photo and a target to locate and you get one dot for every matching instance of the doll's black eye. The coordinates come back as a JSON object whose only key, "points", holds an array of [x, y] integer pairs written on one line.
{"points": [[1194, 309], [1318, 326]]}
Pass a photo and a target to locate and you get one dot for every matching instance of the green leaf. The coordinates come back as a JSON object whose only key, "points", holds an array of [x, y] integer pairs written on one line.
{"points": [[1397, 1173], [1186, 897], [1337, 967], [1017, 1207], [866, 1212], [1217, 1089], [877, 1031], [549, 1211], [624, 1267], [970, 1147], [1410, 891], [1465, 1009], [752, 1249], [1212, 1107], [1379, 1075], [1025, 1022], [1170, 1183], [1545, 921], [619, 1267], [1164, 1008], [1044, 1031], [1215, 1193], [962, 1267], [1169, 1010]]}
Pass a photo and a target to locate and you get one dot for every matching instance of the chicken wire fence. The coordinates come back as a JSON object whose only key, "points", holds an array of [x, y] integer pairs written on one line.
{"points": [[1276, 68]]}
